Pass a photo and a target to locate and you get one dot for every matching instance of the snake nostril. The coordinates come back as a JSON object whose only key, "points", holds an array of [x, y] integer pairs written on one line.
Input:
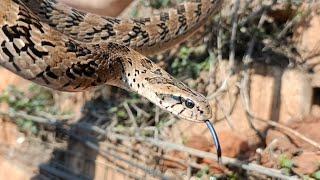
{"points": [[201, 112]]}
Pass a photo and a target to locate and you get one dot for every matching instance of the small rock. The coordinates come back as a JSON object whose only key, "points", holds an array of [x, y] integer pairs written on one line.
{"points": [[309, 127], [232, 143], [282, 144], [200, 143], [306, 163], [277, 144]]}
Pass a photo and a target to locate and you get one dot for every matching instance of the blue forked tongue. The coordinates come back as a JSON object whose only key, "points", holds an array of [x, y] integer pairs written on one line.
{"points": [[215, 138]]}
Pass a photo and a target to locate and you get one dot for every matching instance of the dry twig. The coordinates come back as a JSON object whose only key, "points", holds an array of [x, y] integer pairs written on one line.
{"points": [[194, 152], [233, 35], [131, 116]]}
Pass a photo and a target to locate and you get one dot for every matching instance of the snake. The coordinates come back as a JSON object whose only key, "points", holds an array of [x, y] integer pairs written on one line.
{"points": [[65, 49]]}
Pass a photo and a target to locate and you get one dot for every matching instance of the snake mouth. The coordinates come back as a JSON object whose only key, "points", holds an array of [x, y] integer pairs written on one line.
{"points": [[215, 138]]}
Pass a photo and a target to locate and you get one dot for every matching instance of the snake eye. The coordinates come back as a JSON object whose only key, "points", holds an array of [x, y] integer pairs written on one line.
{"points": [[189, 103]]}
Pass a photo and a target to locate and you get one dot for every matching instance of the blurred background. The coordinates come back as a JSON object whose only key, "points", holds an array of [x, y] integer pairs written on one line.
{"points": [[257, 62]]}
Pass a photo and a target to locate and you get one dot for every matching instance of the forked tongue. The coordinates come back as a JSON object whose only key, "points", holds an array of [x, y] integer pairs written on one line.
{"points": [[215, 138]]}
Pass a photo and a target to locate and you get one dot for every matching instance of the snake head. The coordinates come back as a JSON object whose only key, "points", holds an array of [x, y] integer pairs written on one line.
{"points": [[174, 96], [171, 95]]}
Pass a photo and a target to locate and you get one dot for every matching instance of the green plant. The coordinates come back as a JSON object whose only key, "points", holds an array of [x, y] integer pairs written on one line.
{"points": [[183, 65], [317, 175], [204, 172], [286, 164], [119, 112], [32, 101], [157, 4]]}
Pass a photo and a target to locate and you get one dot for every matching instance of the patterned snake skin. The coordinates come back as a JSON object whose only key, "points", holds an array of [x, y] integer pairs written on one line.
{"points": [[61, 48], [145, 35]]}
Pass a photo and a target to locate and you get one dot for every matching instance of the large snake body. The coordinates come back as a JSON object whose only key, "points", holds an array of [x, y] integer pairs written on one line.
{"points": [[145, 35], [64, 49]]}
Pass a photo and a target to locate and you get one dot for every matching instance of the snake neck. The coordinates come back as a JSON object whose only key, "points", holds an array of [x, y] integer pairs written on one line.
{"points": [[152, 82]]}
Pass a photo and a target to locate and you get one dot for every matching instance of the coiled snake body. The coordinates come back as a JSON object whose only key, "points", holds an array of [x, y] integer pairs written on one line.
{"points": [[61, 48]]}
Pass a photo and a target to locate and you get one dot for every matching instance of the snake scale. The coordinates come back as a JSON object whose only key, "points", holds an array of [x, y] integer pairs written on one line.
{"points": [[64, 49]]}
